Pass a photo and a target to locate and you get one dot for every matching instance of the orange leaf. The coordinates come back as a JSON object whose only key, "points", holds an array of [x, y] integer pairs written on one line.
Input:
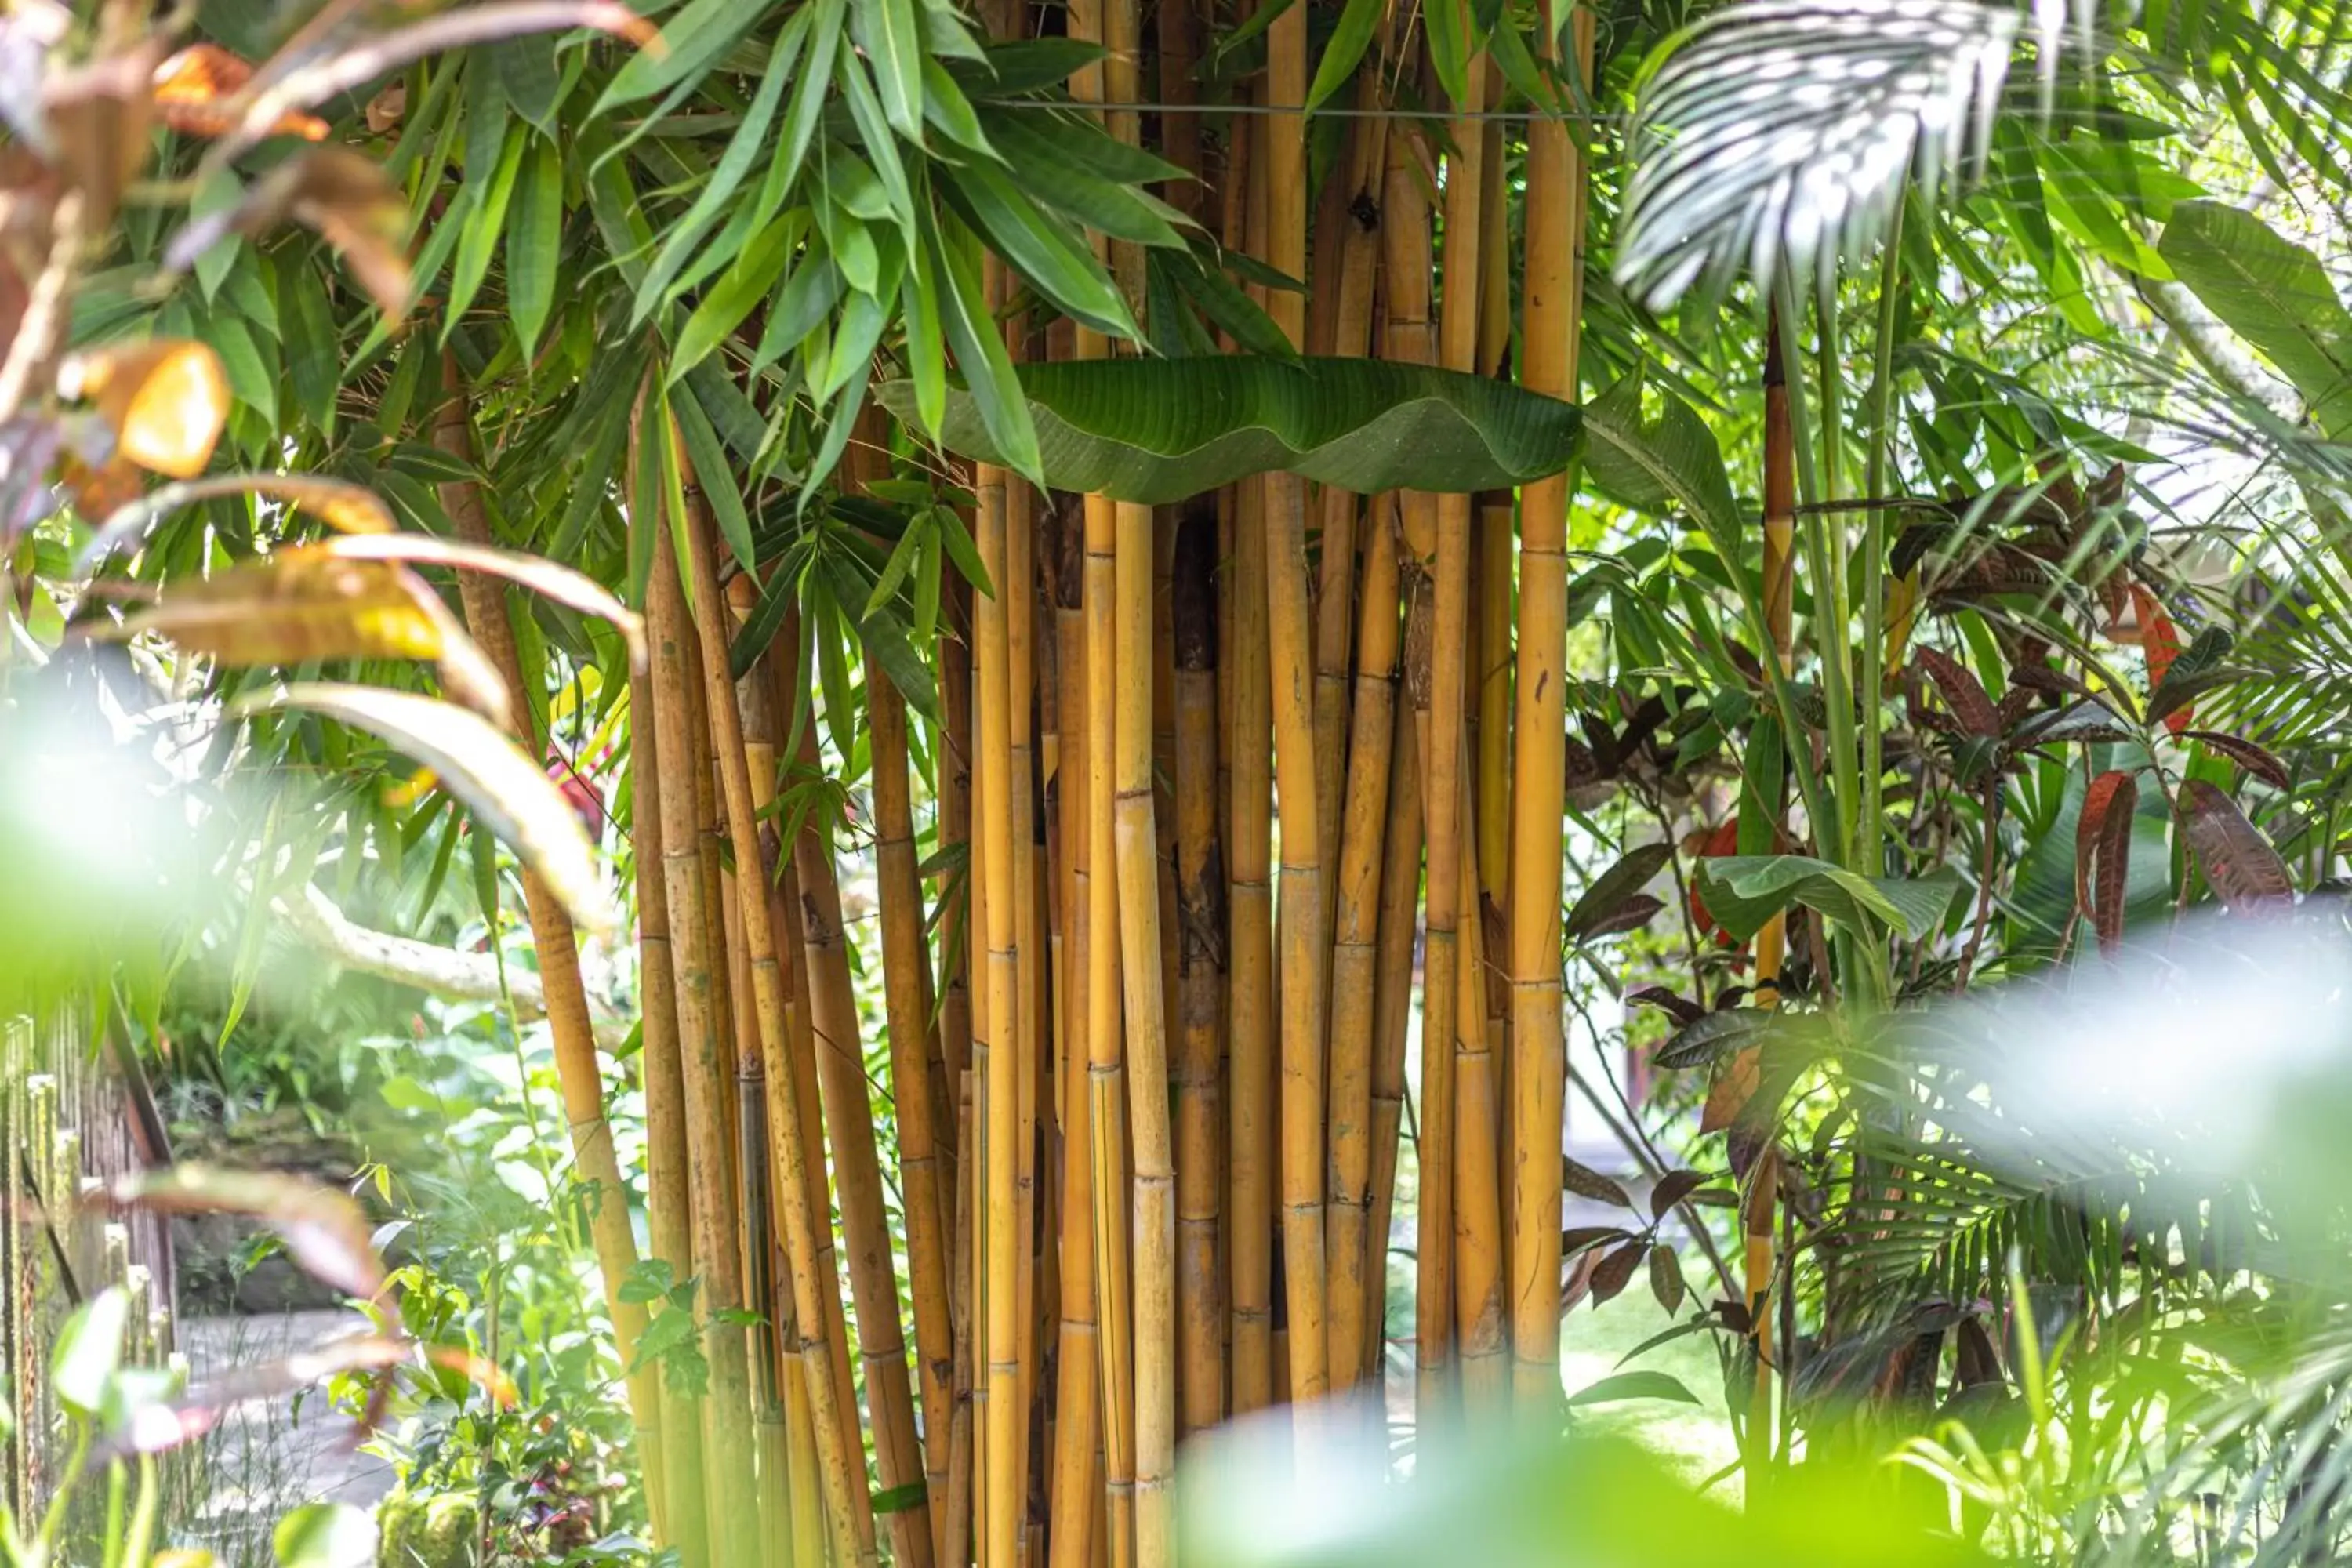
{"points": [[166, 400], [1735, 1085], [191, 88], [2161, 643], [1723, 840]]}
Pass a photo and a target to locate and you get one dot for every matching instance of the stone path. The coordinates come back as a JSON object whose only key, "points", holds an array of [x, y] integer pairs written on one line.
{"points": [[271, 1455]]}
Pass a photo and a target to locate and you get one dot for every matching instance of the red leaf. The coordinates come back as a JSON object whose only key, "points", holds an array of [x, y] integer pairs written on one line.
{"points": [[1724, 840], [2096, 803], [2245, 872], [2259, 761], [2161, 643], [1616, 1270], [2112, 852], [1963, 693]]}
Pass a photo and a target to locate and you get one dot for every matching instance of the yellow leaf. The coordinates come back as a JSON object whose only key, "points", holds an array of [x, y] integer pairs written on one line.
{"points": [[165, 399]]}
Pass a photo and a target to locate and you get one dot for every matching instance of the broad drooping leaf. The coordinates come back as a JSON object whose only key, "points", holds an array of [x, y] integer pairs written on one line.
{"points": [[1777, 133], [482, 767], [1160, 430], [559, 582], [1746, 890], [2274, 294]]}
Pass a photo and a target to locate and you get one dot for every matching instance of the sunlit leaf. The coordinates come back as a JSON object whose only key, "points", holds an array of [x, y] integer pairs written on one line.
{"points": [[512, 795], [165, 399], [193, 87], [354, 509]]}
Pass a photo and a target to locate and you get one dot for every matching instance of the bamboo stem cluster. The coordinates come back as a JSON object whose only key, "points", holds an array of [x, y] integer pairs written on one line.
{"points": [[1202, 781]]}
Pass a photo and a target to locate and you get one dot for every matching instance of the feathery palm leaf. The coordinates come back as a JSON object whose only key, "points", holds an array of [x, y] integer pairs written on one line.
{"points": [[1777, 133]]}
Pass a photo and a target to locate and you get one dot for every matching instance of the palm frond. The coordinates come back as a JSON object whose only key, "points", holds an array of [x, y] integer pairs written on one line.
{"points": [[1779, 132]]}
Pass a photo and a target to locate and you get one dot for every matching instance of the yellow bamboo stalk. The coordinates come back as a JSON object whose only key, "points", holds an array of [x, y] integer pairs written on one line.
{"points": [[1136, 851], [1107, 1051], [1079, 1411], [864, 1222], [1201, 983], [963, 1455], [1441, 759], [1016, 591], [702, 1032], [670, 1207], [579, 1077], [1392, 1016], [1478, 1198], [1554, 310], [1000, 1086], [771, 1431], [1290, 653], [841, 1473], [1353, 234], [1249, 912], [800, 1036], [906, 964], [1355, 936]]}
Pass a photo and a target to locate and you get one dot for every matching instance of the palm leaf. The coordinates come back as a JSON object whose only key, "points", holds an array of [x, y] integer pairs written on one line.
{"points": [[1779, 132]]}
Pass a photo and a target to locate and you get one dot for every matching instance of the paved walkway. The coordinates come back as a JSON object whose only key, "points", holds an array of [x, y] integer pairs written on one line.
{"points": [[271, 1455]]}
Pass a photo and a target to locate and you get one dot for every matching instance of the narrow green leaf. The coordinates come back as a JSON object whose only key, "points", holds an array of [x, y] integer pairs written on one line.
{"points": [[533, 241], [484, 230], [737, 293], [885, 31], [743, 148], [979, 348], [711, 472], [692, 41], [1046, 251], [1346, 50]]}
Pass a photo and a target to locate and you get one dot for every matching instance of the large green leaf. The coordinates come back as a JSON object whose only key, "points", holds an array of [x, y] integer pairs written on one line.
{"points": [[1662, 461], [2274, 294], [1744, 891], [1160, 430]]}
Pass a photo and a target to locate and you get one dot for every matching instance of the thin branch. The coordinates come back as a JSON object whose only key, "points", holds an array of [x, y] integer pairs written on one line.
{"points": [[427, 966]]}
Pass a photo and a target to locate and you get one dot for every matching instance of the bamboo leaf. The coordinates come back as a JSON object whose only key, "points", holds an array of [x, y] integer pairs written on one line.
{"points": [[709, 462], [533, 240], [1345, 52], [1159, 431], [884, 29], [507, 791], [750, 138], [1046, 251], [996, 414], [691, 41]]}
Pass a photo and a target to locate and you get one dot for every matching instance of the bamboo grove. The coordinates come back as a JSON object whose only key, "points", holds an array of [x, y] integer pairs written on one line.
{"points": [[1144, 479]]}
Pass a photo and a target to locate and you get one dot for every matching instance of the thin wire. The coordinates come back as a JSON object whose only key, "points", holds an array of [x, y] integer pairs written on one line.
{"points": [[1090, 107]]}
